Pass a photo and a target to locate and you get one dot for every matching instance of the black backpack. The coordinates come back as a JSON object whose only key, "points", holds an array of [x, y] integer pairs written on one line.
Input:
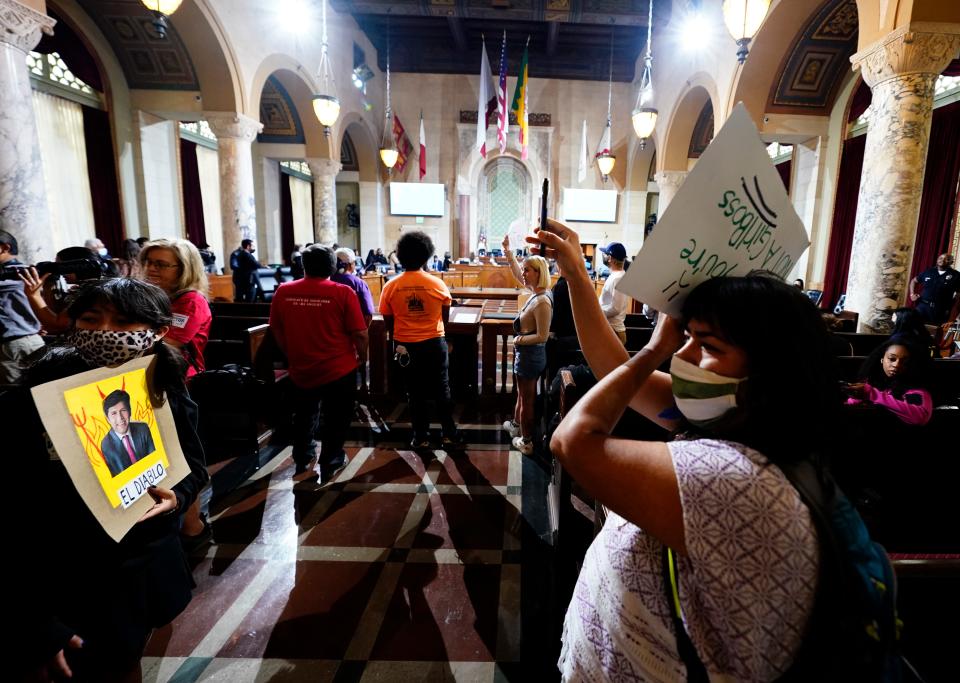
{"points": [[854, 631], [229, 401]]}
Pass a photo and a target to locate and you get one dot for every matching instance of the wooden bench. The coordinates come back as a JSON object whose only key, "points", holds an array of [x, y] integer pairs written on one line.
{"points": [[249, 310]]}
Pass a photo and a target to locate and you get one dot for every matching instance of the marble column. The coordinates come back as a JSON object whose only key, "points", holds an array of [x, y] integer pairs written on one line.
{"points": [[463, 227], [901, 70], [235, 135], [24, 212], [668, 182], [324, 198]]}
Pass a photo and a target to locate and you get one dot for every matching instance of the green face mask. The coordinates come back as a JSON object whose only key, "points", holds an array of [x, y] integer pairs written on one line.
{"points": [[704, 397]]}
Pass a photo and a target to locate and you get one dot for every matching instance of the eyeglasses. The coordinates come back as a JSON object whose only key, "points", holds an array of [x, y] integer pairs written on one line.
{"points": [[159, 265]]}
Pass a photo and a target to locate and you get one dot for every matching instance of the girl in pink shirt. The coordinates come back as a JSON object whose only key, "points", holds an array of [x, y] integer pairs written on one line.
{"points": [[892, 377]]}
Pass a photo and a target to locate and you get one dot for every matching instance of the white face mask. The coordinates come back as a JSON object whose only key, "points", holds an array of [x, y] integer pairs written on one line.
{"points": [[701, 395], [102, 251]]}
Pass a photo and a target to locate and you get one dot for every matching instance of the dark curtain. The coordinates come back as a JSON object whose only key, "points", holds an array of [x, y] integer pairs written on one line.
{"points": [[286, 217], [102, 172], [192, 198], [861, 100], [938, 203], [953, 68], [844, 220], [783, 168], [73, 51]]}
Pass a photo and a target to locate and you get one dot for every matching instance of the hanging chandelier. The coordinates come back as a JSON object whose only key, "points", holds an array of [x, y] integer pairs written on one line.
{"points": [[388, 146], [161, 9], [644, 118], [743, 19], [326, 106], [606, 159]]}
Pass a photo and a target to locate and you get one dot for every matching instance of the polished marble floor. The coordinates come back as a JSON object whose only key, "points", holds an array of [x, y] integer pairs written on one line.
{"points": [[408, 566]]}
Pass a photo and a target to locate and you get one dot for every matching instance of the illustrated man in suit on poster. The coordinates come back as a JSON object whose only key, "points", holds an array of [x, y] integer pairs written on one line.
{"points": [[127, 441]]}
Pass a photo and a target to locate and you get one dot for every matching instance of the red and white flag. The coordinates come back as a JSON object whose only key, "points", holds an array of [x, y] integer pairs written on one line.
{"points": [[485, 102], [503, 113], [604, 146], [423, 149]]}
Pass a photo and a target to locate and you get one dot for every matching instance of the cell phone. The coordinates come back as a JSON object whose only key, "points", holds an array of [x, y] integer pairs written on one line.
{"points": [[543, 205]]}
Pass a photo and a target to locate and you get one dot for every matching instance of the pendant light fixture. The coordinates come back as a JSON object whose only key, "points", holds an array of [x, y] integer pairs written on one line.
{"points": [[161, 9], [644, 118], [388, 146], [326, 106], [605, 158], [743, 19]]}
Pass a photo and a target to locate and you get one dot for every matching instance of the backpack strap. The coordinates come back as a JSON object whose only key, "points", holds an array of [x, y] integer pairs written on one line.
{"points": [[696, 671]]}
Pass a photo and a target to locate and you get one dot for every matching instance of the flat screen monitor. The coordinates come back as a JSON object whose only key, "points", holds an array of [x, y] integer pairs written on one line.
{"points": [[593, 206], [416, 199]]}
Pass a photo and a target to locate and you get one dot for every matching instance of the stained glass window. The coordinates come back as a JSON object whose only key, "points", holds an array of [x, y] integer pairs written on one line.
{"points": [[298, 167], [50, 73]]}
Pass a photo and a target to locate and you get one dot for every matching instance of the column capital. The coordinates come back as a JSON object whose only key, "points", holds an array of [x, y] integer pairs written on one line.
{"points": [[324, 167], [917, 48], [672, 179], [21, 26], [233, 125]]}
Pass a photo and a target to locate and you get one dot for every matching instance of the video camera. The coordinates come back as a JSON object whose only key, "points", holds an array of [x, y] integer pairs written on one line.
{"points": [[83, 269]]}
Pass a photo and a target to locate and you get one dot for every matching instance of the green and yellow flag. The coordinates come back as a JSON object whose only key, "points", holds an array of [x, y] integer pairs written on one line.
{"points": [[519, 104]]}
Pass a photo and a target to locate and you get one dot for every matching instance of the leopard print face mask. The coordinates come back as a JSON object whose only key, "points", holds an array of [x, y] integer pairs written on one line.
{"points": [[109, 347]]}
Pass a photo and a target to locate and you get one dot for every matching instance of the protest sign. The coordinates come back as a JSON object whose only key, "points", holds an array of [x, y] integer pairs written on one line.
{"points": [[731, 215], [113, 441]]}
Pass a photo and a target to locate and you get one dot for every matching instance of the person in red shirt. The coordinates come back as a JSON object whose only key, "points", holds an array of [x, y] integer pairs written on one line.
{"points": [[417, 303], [318, 325]]}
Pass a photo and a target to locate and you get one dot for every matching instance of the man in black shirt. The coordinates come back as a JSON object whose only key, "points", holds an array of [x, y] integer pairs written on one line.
{"points": [[940, 286], [20, 341], [245, 267]]}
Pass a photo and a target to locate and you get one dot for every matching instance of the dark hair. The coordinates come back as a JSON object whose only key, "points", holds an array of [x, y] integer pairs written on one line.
{"points": [[319, 261], [245, 243], [130, 250], [414, 249], [911, 324], [73, 254], [11, 241], [142, 240], [913, 375], [791, 370], [113, 398], [134, 300]]}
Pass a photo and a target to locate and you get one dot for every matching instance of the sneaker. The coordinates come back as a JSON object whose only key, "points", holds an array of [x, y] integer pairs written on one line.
{"points": [[419, 444], [525, 446], [301, 467], [511, 428], [192, 544], [330, 470]]}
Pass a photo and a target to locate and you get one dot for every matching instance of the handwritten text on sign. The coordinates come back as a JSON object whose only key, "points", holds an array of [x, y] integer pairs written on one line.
{"points": [[731, 215]]}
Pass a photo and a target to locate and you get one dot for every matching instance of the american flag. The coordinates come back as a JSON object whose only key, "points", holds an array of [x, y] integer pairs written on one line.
{"points": [[503, 116]]}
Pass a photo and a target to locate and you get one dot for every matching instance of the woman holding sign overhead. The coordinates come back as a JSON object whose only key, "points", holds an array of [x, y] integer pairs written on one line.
{"points": [[531, 330], [85, 605], [742, 544]]}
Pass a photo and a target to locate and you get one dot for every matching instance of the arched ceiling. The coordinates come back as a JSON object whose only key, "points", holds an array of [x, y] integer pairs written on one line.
{"points": [[281, 122], [149, 62], [817, 62]]}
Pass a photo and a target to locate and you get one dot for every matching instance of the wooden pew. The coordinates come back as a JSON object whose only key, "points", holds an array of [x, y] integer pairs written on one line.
{"points": [[249, 310], [863, 344]]}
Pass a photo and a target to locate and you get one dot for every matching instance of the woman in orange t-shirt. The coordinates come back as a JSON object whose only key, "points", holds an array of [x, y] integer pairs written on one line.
{"points": [[415, 302]]}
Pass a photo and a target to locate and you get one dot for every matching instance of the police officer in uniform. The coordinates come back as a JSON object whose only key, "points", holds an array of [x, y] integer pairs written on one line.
{"points": [[940, 287]]}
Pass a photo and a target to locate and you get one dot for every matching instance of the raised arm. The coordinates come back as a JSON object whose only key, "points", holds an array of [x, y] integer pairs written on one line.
{"points": [[598, 341], [512, 260]]}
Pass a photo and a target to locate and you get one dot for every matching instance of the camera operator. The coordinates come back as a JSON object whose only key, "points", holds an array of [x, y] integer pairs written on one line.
{"points": [[20, 340]]}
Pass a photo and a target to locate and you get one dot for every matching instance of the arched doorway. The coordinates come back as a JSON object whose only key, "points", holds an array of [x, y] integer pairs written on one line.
{"points": [[505, 200]]}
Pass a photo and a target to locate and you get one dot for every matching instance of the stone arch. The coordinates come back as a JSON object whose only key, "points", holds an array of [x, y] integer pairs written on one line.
{"points": [[300, 87], [213, 57], [675, 149], [769, 50], [641, 161], [364, 143]]}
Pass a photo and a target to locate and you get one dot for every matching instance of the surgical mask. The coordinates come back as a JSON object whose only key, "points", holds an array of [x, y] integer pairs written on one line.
{"points": [[102, 251], [101, 348], [704, 397]]}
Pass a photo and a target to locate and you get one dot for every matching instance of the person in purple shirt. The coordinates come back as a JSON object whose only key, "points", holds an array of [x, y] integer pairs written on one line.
{"points": [[346, 275]]}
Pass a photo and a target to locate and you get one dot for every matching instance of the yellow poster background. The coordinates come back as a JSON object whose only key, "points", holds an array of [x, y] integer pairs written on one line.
{"points": [[85, 405]]}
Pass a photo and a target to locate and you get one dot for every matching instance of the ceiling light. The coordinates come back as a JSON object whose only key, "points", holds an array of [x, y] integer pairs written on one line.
{"points": [[743, 19]]}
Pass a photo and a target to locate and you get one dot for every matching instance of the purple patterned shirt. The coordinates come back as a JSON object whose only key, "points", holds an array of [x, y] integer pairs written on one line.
{"points": [[747, 583]]}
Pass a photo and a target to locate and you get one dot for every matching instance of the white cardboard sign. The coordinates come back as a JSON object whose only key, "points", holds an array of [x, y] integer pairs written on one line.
{"points": [[731, 215]]}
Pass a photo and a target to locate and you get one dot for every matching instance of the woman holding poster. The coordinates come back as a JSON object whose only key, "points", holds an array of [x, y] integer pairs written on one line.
{"points": [[706, 507], [85, 605]]}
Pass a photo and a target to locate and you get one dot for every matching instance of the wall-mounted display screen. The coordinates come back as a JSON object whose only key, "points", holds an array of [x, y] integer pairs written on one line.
{"points": [[416, 199], [595, 206]]}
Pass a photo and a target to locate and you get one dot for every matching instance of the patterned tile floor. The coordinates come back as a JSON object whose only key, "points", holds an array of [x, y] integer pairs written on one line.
{"points": [[407, 567]]}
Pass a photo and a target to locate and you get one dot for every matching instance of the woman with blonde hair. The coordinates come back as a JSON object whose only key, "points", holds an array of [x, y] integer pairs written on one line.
{"points": [[531, 329], [175, 266]]}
